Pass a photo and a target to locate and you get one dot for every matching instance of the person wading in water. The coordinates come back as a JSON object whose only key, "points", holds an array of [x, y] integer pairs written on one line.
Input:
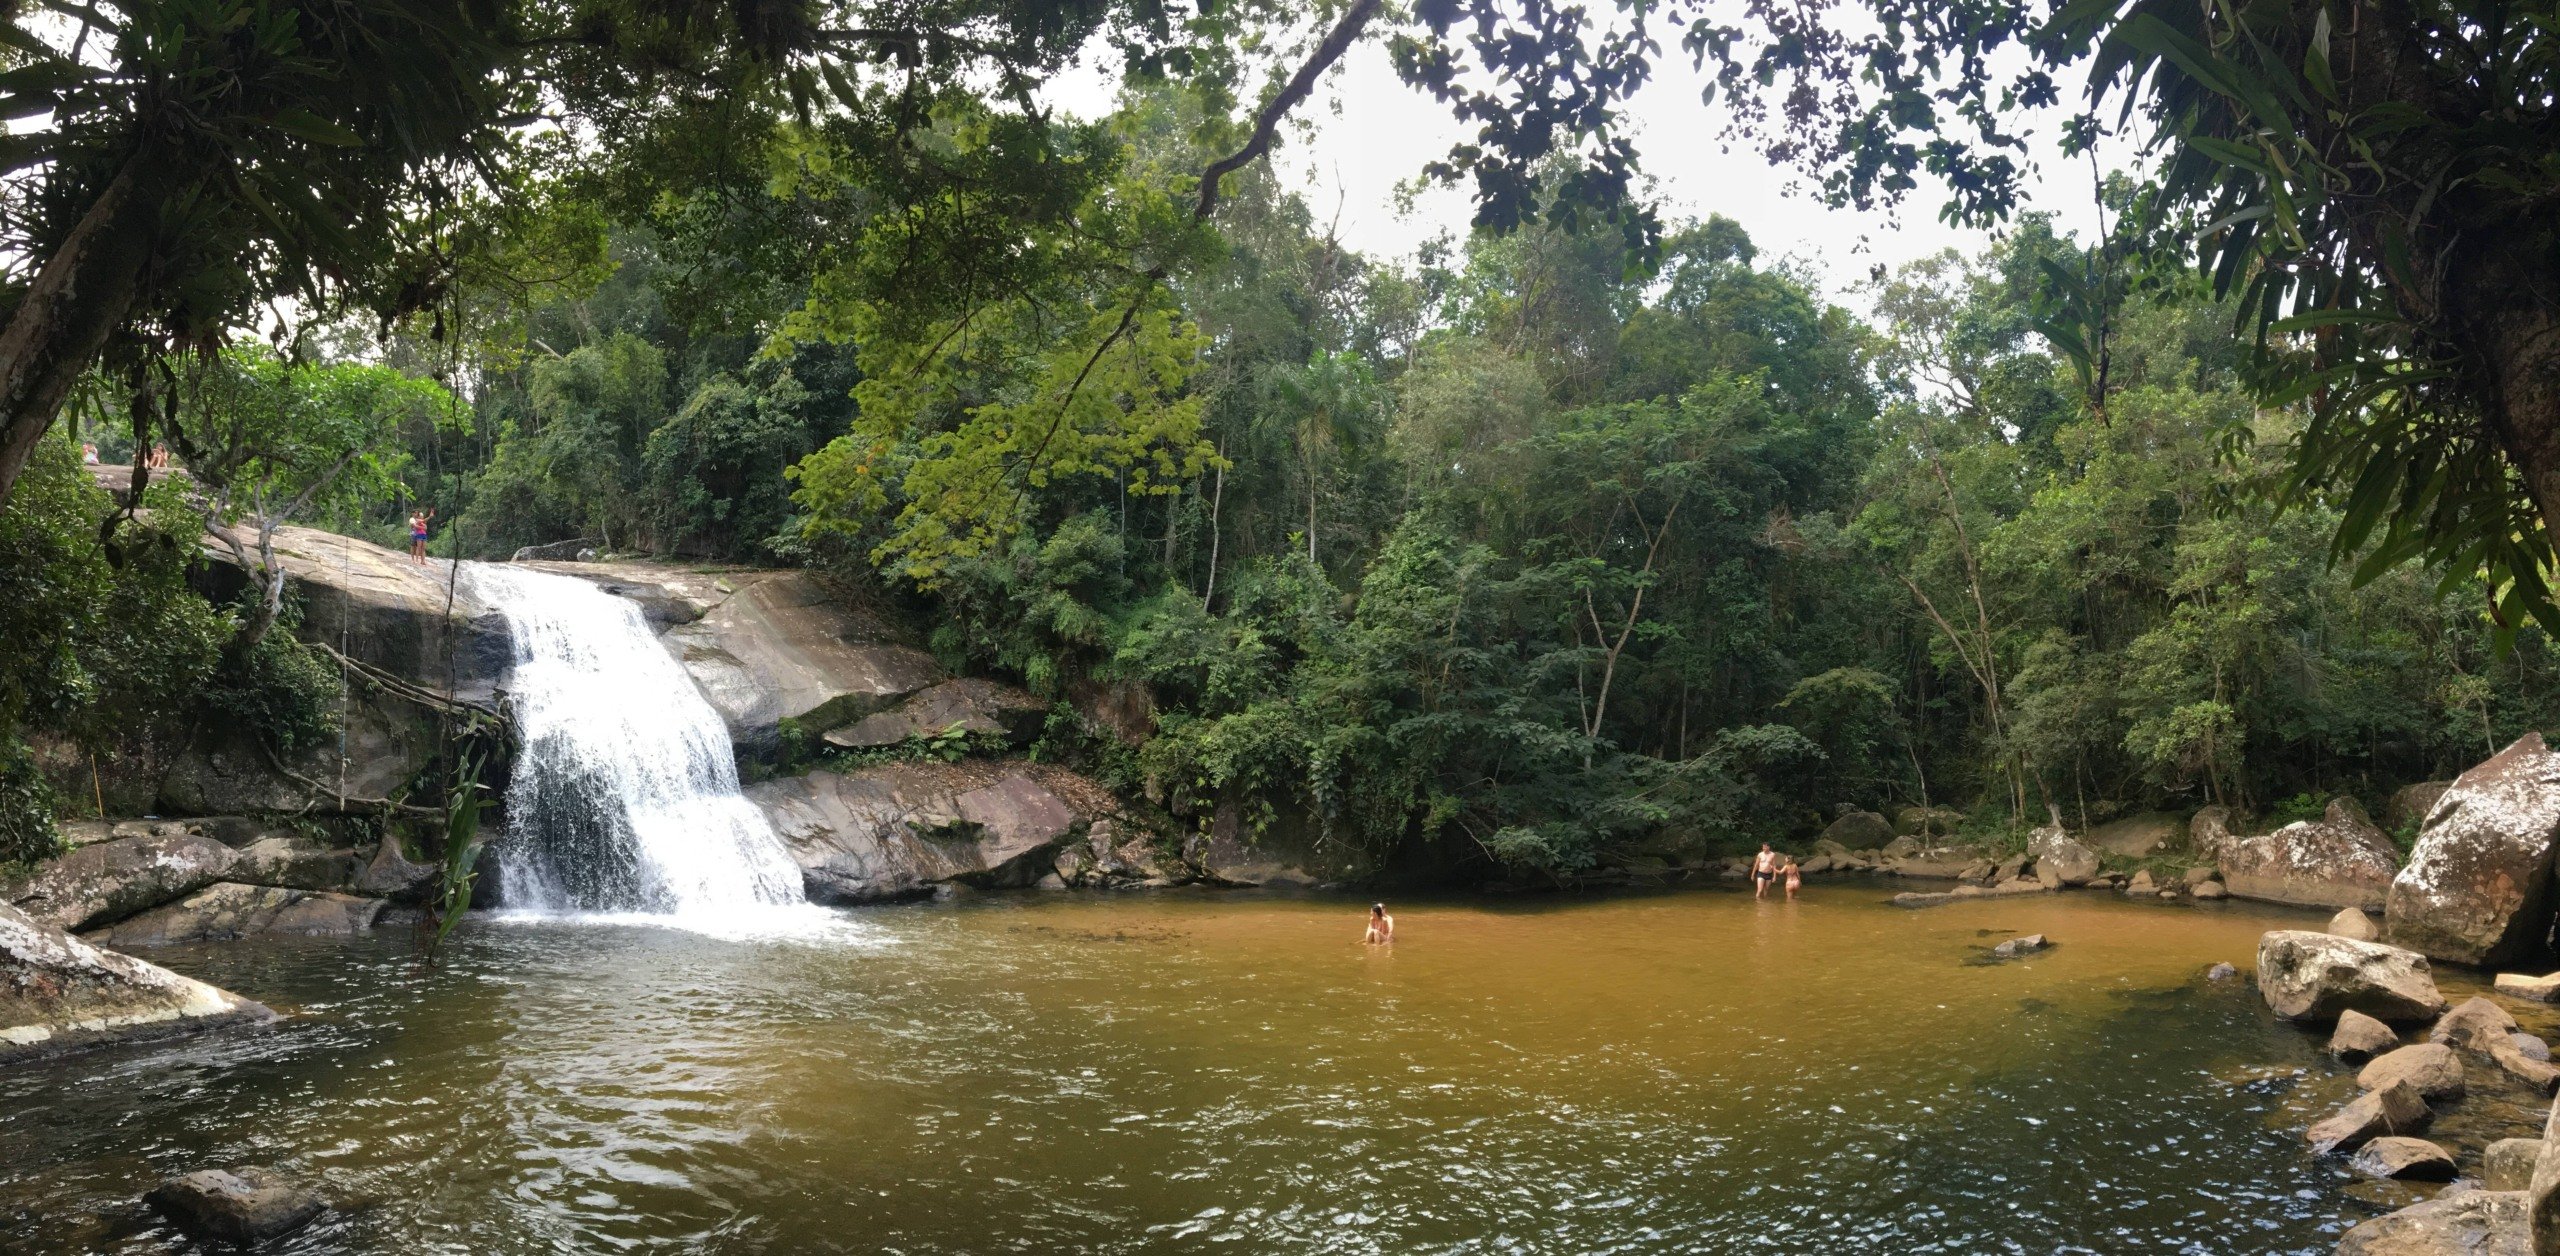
{"points": [[1795, 877], [1382, 927], [418, 534], [1764, 869]]}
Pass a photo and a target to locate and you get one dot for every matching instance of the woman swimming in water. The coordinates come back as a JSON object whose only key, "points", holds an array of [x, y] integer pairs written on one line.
{"points": [[1382, 927]]}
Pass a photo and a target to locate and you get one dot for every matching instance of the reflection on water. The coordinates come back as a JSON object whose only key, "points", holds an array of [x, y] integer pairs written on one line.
{"points": [[1684, 1072]]}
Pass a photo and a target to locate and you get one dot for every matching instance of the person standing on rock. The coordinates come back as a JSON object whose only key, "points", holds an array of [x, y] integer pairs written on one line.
{"points": [[1764, 869], [1382, 927], [418, 534]]}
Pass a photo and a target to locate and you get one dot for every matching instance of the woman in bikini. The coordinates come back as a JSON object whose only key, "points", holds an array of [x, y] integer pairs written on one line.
{"points": [[418, 534], [1382, 927], [1795, 877]]}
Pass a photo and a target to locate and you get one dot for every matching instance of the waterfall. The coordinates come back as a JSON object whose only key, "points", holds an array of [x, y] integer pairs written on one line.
{"points": [[625, 798]]}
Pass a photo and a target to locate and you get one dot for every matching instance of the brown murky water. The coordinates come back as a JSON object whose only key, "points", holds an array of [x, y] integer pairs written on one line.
{"points": [[1688, 1071]]}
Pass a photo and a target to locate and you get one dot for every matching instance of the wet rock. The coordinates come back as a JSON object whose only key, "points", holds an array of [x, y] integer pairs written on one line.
{"points": [[2410, 805], [2138, 836], [2061, 859], [1979, 872], [2478, 886], [2507, 1164], [295, 863], [226, 911], [2211, 890], [2016, 947], [2408, 1159], [2225, 972], [2309, 976], [58, 993], [108, 881], [898, 830], [2142, 883], [2530, 1047], [2430, 1068], [2194, 877], [393, 875], [2475, 1024], [2210, 831], [2542, 1195], [242, 1205], [1858, 830], [2536, 1073], [2394, 1109], [970, 705], [2469, 1223], [2339, 860], [2544, 989], [1966, 893], [2361, 1037], [2351, 922]]}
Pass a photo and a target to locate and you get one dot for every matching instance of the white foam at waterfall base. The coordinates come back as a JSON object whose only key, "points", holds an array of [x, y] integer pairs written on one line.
{"points": [[624, 805]]}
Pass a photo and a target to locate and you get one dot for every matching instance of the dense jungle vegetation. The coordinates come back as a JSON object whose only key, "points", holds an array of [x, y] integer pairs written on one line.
{"points": [[1588, 534]]}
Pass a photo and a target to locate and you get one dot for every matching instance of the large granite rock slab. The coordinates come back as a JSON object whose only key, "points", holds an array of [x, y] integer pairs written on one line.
{"points": [[2478, 886], [2308, 976], [105, 882], [2468, 1223], [295, 863], [1234, 855], [58, 993], [970, 705], [226, 911], [897, 830], [388, 611], [2138, 835], [2411, 804], [782, 648], [2067, 859], [2338, 860]]}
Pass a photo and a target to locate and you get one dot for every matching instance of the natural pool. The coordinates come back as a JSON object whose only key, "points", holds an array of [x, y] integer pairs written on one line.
{"points": [[1685, 1071]]}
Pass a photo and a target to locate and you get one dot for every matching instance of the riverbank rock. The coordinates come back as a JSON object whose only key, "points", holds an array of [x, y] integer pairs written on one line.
{"points": [[2409, 1159], [2141, 883], [2478, 886], [1113, 854], [2507, 1164], [2394, 1109], [106, 882], [779, 646], [1945, 863], [2209, 831], [2543, 989], [1235, 856], [2210, 890], [2410, 805], [295, 863], [2351, 922], [2360, 1037], [981, 707], [2061, 859], [2138, 836], [897, 830], [1967, 893], [58, 993], [2430, 1068], [2017, 947], [2339, 860], [391, 874], [226, 911], [2309, 976], [2468, 1223], [244, 1205], [1858, 830], [1923, 823], [2475, 1024]]}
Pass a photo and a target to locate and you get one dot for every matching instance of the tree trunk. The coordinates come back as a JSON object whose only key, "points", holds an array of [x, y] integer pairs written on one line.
{"points": [[75, 303]]}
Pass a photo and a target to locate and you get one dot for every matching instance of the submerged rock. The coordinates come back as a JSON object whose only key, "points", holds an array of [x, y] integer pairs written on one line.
{"points": [[2507, 1164], [225, 911], [2412, 1159], [58, 993], [2396, 1108], [2430, 1068], [2361, 1037], [1966, 893], [242, 1205], [2338, 860], [2224, 972], [2478, 886], [2309, 976], [2016, 947], [2469, 1223], [106, 882], [2351, 922]]}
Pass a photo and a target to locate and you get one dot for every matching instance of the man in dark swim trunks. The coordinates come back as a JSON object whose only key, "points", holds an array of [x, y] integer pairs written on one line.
{"points": [[1764, 869]]}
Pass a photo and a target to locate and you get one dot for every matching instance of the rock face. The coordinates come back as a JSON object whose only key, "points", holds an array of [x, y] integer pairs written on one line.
{"points": [[2309, 976], [2339, 860], [2210, 831], [391, 874], [2478, 886], [2413, 1159], [225, 911], [2410, 805], [2507, 1164], [1234, 855], [2351, 922], [108, 881], [244, 1205], [2471, 1223], [2061, 859], [2135, 836], [897, 830], [1859, 830], [393, 614], [2360, 1037], [972, 706], [2394, 1109], [294, 864], [58, 993], [780, 647], [2430, 1068], [1113, 854]]}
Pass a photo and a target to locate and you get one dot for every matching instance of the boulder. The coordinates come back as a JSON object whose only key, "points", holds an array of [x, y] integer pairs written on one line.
{"points": [[2194, 877], [982, 707], [2411, 1159], [2015, 947], [2351, 922], [2532, 1048], [393, 875], [2061, 859], [2476, 1024], [2361, 1037], [2210, 831], [106, 882], [2211, 889], [2136, 836], [2339, 860], [1902, 847], [243, 1205], [1926, 822], [2478, 886], [2524, 1066], [2225, 972], [897, 830], [226, 911], [2394, 1109], [575, 549], [775, 646], [2430, 1068], [2410, 805], [2142, 883], [58, 993], [1234, 856], [1967, 893], [1944, 863], [2542, 1195], [295, 863], [2308, 976], [2464, 1223], [2507, 1164], [2543, 989], [1858, 830]]}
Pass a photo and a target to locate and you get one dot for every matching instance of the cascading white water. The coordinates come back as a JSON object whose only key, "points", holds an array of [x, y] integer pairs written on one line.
{"points": [[625, 798]]}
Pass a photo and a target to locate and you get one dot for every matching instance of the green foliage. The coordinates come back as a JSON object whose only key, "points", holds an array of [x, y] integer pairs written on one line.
{"points": [[457, 869], [26, 808], [286, 694]]}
